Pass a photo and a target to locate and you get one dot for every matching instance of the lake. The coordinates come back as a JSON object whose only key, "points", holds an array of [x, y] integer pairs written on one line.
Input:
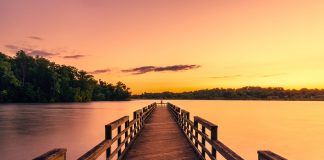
{"points": [[293, 129]]}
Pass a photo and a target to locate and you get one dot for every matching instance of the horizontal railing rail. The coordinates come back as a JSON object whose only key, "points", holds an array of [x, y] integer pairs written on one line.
{"points": [[129, 133], [268, 155], [55, 154], [196, 130]]}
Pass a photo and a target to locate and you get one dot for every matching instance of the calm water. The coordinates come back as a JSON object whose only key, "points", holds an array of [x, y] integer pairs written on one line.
{"points": [[292, 129]]}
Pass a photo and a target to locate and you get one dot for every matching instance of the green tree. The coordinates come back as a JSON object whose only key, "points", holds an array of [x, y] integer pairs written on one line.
{"points": [[8, 81], [35, 79]]}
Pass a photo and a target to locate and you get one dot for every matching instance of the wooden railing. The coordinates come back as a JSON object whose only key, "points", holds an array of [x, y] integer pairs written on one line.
{"points": [[268, 155], [130, 131], [55, 154], [198, 137], [201, 134]]}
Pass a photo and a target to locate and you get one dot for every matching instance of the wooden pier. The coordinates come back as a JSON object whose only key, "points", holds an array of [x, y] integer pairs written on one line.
{"points": [[160, 131]]}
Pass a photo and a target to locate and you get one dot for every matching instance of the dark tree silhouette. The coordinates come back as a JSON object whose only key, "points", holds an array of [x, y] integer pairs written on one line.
{"points": [[24, 78]]}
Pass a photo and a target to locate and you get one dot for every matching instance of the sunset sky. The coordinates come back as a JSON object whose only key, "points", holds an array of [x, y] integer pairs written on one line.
{"points": [[174, 45]]}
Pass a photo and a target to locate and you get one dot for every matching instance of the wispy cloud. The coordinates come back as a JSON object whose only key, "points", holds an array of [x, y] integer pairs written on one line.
{"points": [[247, 76], [99, 71], [32, 52], [35, 38], [12, 47], [273, 75], [173, 68], [41, 53], [76, 56], [227, 77]]}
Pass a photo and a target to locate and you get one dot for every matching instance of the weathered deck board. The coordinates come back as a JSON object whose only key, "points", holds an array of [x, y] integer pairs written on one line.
{"points": [[161, 138]]}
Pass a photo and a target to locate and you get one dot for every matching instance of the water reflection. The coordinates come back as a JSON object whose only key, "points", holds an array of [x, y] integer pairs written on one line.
{"points": [[41, 127], [292, 129]]}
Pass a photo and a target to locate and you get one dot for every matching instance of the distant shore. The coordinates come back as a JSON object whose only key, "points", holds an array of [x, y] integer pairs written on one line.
{"points": [[164, 99], [245, 93]]}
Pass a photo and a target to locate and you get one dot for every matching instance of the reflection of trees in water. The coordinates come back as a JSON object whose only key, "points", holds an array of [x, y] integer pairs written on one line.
{"points": [[40, 119]]}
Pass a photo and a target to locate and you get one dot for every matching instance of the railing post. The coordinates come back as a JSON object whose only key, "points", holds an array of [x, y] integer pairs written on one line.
{"points": [[191, 135], [119, 140], [203, 141], [178, 114], [181, 120], [108, 136], [213, 132], [141, 121], [188, 118], [196, 133], [126, 133], [184, 121], [131, 132], [135, 124]]}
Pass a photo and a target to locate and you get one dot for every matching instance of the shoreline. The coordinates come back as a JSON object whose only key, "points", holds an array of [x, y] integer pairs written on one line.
{"points": [[134, 99]]}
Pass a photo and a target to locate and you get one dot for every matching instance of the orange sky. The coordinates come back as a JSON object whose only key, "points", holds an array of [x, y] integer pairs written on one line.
{"points": [[232, 43]]}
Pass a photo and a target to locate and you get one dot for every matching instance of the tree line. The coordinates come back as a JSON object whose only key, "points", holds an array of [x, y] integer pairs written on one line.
{"points": [[245, 93], [24, 78]]}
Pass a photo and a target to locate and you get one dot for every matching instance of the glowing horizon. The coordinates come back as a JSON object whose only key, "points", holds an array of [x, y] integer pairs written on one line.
{"points": [[155, 46]]}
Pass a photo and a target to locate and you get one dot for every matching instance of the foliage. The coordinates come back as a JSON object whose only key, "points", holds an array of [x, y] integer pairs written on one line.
{"points": [[245, 93], [25, 78]]}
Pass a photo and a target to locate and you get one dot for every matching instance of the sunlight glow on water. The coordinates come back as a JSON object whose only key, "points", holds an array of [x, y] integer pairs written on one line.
{"points": [[293, 129]]}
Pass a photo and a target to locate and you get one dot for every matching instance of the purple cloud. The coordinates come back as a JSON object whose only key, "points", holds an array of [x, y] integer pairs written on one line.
{"points": [[99, 71], [140, 70], [30, 51], [35, 38], [12, 47], [76, 56], [173, 68], [41, 53]]}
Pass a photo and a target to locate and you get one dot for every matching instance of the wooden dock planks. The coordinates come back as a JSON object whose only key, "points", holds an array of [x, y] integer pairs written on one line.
{"points": [[161, 138]]}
